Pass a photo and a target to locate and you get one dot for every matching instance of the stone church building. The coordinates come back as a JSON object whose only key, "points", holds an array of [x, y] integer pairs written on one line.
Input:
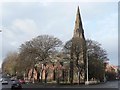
{"points": [[76, 72]]}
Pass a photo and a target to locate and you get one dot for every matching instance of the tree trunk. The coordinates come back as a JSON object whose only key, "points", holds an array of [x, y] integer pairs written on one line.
{"points": [[63, 74], [79, 77], [54, 74], [58, 80], [46, 74], [41, 76], [71, 72], [57, 72]]}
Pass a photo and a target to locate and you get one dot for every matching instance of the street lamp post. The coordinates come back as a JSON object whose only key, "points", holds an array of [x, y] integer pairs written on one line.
{"points": [[105, 63], [87, 81]]}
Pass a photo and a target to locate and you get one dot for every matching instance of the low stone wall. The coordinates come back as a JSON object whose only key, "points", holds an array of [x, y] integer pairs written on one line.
{"points": [[94, 82]]}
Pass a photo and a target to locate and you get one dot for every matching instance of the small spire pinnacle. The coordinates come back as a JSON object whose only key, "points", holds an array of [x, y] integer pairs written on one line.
{"points": [[78, 11]]}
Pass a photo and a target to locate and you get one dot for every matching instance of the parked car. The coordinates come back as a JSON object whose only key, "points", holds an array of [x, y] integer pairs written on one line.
{"points": [[1, 79], [22, 81], [16, 85], [4, 81]]}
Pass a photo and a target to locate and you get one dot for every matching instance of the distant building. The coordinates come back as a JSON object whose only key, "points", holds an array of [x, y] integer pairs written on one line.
{"points": [[112, 71], [110, 68]]}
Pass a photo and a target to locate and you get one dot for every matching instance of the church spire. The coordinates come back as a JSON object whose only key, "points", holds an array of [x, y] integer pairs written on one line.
{"points": [[78, 22], [78, 50], [78, 30]]}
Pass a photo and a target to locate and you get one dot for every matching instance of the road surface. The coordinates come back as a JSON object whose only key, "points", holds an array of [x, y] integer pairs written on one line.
{"points": [[109, 84]]}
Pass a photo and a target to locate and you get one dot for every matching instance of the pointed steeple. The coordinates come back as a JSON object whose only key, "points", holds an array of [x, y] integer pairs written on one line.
{"points": [[78, 49], [78, 24]]}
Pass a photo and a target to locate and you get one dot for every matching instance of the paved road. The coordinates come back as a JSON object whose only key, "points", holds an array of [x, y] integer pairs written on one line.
{"points": [[109, 84]]}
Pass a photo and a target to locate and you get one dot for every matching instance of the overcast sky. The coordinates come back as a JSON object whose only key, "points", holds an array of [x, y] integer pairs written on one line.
{"points": [[24, 21]]}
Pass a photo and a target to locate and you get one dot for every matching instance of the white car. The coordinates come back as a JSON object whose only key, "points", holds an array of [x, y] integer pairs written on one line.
{"points": [[1, 79], [4, 81]]}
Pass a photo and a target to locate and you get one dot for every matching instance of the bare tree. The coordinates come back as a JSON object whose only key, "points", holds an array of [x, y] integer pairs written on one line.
{"points": [[39, 49], [73, 49], [96, 56], [9, 64]]}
